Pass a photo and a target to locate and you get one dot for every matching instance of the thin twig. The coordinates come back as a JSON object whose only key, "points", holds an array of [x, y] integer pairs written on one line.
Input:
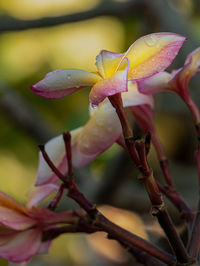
{"points": [[158, 206], [99, 220], [194, 241], [54, 203], [104, 8]]}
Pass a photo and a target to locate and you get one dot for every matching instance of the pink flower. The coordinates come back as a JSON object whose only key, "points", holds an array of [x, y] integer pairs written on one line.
{"points": [[177, 82], [98, 134], [21, 227], [145, 57]]}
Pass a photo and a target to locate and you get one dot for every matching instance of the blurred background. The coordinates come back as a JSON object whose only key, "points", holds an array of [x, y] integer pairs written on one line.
{"points": [[37, 37]]}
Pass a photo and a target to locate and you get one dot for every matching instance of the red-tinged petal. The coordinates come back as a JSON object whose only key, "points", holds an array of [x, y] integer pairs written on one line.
{"points": [[23, 246], [9, 202], [133, 97], [107, 63], [6, 235], [154, 84], [115, 84], [64, 82], [101, 131], [153, 53], [48, 217], [15, 220], [39, 193], [181, 77]]}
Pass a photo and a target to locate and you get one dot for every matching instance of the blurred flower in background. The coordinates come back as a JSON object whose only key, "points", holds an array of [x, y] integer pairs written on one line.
{"points": [[26, 55]]}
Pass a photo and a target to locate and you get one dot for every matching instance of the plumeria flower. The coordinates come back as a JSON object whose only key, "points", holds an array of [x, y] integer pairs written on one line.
{"points": [[21, 227], [177, 82], [145, 57], [99, 133]]}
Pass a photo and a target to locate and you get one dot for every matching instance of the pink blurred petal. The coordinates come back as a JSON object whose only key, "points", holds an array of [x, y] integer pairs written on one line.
{"points": [[60, 83], [153, 53], [23, 246], [181, 77], [48, 217], [14, 219], [154, 84], [115, 84], [107, 63], [39, 193]]}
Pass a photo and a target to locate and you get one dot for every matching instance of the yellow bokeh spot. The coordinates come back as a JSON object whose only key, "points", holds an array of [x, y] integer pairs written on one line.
{"points": [[28, 9], [16, 178], [67, 46]]}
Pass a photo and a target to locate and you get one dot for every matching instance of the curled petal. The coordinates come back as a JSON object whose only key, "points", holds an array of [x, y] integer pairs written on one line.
{"points": [[115, 84], [154, 84], [60, 83], [181, 77], [133, 97], [22, 247], [14, 219], [107, 63], [39, 193], [153, 53]]}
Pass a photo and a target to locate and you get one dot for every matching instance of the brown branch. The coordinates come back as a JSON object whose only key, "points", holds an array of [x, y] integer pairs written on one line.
{"points": [[99, 220], [24, 115], [105, 8], [158, 206], [194, 241], [54, 203]]}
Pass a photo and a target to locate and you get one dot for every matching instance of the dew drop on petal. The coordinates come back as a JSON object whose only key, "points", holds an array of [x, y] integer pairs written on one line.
{"points": [[111, 92], [94, 105], [151, 40]]}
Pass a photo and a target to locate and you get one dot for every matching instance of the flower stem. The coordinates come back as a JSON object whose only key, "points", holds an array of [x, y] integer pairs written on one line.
{"points": [[99, 220], [158, 206], [194, 241]]}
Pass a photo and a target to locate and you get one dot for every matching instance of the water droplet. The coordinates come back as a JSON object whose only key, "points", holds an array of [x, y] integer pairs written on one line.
{"points": [[94, 105], [151, 40], [68, 76], [111, 92]]}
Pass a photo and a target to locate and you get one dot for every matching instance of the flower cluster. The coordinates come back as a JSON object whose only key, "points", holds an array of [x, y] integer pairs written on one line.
{"points": [[135, 75]]}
